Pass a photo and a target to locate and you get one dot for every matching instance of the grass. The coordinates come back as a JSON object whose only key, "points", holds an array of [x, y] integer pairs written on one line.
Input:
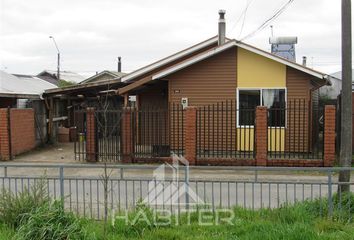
{"points": [[297, 222], [32, 215], [293, 222]]}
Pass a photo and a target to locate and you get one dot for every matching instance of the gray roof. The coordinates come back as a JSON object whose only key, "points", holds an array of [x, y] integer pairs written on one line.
{"points": [[339, 75], [11, 84], [114, 75], [64, 75]]}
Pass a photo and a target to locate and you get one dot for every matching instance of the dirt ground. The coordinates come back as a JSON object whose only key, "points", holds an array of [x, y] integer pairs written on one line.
{"points": [[59, 153]]}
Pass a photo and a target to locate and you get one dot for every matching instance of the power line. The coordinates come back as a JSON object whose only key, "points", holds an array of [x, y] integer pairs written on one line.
{"points": [[242, 14], [244, 17], [269, 20]]}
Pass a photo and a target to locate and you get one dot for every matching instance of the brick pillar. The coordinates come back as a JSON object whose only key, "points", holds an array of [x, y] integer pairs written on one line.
{"points": [[4, 135], [190, 141], [329, 136], [261, 132], [127, 135], [91, 151]]}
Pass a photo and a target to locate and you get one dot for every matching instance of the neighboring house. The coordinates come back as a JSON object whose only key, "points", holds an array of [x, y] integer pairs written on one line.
{"points": [[51, 76], [332, 92], [93, 92], [103, 76], [25, 91], [15, 87]]}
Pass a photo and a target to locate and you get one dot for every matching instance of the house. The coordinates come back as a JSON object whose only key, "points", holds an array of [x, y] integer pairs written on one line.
{"points": [[224, 80], [23, 96], [332, 92], [104, 76], [68, 76], [221, 69], [16, 90]]}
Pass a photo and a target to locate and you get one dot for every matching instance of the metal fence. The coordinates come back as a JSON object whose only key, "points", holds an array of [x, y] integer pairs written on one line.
{"points": [[158, 131], [79, 138], [223, 131], [295, 131], [107, 134], [82, 186]]}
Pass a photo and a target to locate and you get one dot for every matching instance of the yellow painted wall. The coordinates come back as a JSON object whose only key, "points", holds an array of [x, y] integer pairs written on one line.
{"points": [[276, 139], [245, 139], [256, 71]]}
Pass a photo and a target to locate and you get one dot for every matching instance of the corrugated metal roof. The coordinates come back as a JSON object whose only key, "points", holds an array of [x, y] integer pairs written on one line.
{"points": [[65, 75], [22, 84]]}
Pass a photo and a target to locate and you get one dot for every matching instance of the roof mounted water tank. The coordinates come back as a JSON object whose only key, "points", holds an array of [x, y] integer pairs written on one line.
{"points": [[283, 40], [284, 47]]}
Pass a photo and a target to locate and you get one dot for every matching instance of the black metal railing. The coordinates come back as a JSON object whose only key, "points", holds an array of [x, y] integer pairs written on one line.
{"points": [[223, 131], [158, 131], [79, 138], [295, 131], [108, 135]]}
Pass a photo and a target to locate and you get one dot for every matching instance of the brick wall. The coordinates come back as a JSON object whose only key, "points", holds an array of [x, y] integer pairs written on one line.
{"points": [[22, 130], [91, 150], [4, 136], [191, 135], [127, 141], [261, 133], [329, 136]]}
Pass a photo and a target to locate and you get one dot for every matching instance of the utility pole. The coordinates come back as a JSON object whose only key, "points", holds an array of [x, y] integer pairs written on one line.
{"points": [[58, 63], [346, 105]]}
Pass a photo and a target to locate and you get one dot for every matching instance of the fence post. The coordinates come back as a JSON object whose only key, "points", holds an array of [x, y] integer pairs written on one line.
{"points": [[330, 202], [127, 135], [191, 135], [186, 182], [91, 151], [261, 132], [61, 182], [5, 140], [329, 136]]}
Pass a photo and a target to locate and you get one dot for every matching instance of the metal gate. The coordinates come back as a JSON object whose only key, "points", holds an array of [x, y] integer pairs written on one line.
{"points": [[107, 134]]}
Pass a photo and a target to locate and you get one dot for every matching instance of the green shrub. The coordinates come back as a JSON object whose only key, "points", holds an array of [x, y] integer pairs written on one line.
{"points": [[50, 221], [12, 206]]}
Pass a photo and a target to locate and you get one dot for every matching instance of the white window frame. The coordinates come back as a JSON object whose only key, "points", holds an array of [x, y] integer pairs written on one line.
{"points": [[261, 102]]}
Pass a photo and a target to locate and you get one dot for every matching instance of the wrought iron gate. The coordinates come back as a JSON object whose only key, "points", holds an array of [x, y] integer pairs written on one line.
{"points": [[107, 134]]}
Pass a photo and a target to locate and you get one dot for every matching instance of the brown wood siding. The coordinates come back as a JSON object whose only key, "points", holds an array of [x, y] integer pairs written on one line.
{"points": [[152, 115], [299, 115], [150, 73], [298, 84], [206, 82]]}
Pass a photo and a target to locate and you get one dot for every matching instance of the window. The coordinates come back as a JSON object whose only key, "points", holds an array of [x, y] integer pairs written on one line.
{"points": [[273, 99], [248, 101]]}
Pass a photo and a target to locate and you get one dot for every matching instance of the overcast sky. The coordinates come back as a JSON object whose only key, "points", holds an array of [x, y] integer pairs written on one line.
{"points": [[91, 34]]}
